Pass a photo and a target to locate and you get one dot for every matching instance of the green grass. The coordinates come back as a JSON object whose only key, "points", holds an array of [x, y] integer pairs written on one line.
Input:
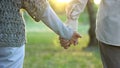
{"points": [[47, 56], [44, 51]]}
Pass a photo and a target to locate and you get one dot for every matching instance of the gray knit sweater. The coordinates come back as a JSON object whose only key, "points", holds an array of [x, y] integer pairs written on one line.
{"points": [[12, 27]]}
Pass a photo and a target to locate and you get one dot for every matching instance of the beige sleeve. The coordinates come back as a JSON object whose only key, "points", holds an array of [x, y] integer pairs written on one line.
{"points": [[73, 10], [75, 7]]}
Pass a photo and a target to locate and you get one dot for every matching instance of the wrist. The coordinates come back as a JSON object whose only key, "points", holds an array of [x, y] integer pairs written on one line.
{"points": [[73, 24]]}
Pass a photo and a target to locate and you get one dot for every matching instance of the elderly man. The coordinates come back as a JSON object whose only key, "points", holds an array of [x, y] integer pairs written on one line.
{"points": [[107, 29]]}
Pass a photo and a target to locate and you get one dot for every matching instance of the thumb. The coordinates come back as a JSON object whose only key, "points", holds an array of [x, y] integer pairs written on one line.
{"points": [[77, 35]]}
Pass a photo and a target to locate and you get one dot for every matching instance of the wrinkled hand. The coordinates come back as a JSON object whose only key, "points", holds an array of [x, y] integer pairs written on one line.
{"points": [[66, 43]]}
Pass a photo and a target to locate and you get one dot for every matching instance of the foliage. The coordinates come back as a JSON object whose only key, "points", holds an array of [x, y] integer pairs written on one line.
{"points": [[57, 7]]}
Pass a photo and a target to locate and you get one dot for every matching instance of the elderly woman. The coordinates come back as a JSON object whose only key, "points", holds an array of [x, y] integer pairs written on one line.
{"points": [[12, 28]]}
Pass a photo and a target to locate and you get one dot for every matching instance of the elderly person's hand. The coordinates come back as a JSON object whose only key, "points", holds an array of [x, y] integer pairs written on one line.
{"points": [[66, 43]]}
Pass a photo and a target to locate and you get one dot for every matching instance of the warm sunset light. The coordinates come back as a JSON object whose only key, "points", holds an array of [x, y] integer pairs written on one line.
{"points": [[63, 1], [97, 1]]}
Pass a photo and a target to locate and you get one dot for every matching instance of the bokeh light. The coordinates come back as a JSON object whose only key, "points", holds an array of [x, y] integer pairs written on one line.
{"points": [[63, 1], [97, 2]]}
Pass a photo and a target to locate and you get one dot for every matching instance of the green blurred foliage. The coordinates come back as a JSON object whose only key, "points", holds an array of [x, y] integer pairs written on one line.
{"points": [[58, 7]]}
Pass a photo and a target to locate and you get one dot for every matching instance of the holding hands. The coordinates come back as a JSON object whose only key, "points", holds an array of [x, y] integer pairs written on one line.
{"points": [[73, 10], [66, 43]]}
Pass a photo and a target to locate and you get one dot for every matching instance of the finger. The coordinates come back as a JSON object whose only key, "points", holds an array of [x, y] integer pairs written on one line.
{"points": [[66, 47], [63, 40], [63, 43], [78, 35], [75, 42]]}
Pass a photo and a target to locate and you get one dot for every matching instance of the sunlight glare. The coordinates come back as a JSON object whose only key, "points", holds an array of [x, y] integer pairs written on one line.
{"points": [[97, 1], [63, 1]]}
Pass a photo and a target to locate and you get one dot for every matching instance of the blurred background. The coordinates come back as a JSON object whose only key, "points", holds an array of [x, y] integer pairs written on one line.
{"points": [[44, 51]]}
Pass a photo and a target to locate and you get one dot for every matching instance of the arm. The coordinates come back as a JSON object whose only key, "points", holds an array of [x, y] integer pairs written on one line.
{"points": [[41, 10], [73, 10]]}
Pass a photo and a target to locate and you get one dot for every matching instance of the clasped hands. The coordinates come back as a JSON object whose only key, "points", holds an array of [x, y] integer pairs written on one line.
{"points": [[67, 43], [73, 10]]}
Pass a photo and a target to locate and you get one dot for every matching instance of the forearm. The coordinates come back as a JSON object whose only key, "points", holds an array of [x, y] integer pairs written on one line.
{"points": [[52, 21], [73, 11], [41, 10], [75, 7]]}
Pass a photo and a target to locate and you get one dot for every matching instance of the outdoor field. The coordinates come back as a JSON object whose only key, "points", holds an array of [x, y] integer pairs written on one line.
{"points": [[44, 51]]}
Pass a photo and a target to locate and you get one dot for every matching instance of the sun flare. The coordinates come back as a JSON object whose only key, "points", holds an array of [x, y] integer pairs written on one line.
{"points": [[97, 1], [63, 1]]}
